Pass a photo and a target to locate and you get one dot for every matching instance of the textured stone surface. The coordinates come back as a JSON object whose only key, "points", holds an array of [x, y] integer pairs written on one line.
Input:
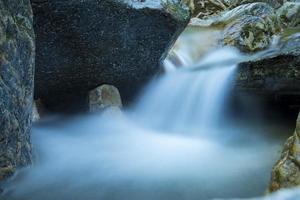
{"points": [[221, 20], [104, 96], [87, 43], [206, 8], [276, 77], [249, 33], [253, 27], [16, 84], [286, 172], [289, 14]]}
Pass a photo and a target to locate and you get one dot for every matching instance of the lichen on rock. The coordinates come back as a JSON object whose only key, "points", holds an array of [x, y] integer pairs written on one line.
{"points": [[249, 27], [103, 97], [289, 14], [249, 33], [17, 51], [180, 10], [206, 8], [286, 172]]}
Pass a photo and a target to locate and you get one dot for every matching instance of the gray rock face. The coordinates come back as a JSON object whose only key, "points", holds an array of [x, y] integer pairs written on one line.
{"points": [[16, 84], [83, 44], [276, 77]]}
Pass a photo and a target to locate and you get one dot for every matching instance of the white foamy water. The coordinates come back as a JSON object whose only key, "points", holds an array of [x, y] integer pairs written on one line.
{"points": [[183, 101], [168, 146], [113, 158]]}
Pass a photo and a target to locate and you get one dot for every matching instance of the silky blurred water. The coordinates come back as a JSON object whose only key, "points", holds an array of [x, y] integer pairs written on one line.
{"points": [[176, 142], [185, 101], [99, 157]]}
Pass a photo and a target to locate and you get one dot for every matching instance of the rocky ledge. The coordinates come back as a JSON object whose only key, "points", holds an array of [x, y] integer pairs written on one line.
{"points": [[256, 27], [275, 77], [286, 172], [84, 44]]}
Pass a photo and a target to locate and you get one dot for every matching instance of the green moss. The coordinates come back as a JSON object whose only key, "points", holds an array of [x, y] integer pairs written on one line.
{"points": [[290, 31], [6, 171]]}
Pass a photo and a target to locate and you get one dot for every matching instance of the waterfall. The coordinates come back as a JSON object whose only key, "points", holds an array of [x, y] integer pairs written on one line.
{"points": [[157, 150], [185, 101]]}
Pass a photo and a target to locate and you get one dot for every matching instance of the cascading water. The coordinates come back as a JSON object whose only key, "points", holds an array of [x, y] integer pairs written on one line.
{"points": [[184, 101], [160, 149]]}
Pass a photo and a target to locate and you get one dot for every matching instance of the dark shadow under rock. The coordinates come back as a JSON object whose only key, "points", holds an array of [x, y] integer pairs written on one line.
{"points": [[84, 44]]}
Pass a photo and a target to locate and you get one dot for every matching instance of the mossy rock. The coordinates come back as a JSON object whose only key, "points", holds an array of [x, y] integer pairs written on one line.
{"points": [[249, 33], [289, 14], [286, 172], [17, 52]]}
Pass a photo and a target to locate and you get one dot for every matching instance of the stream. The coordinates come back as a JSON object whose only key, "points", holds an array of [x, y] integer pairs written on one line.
{"points": [[180, 140]]}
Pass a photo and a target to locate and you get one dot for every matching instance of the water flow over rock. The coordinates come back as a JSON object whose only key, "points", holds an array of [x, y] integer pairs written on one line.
{"points": [[189, 100], [140, 155]]}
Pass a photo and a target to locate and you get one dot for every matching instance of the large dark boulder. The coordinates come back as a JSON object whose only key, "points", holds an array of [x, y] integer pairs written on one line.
{"points": [[87, 43], [275, 77], [16, 84]]}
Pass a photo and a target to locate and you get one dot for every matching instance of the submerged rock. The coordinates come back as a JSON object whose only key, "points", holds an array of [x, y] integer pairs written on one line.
{"points": [[83, 44], [286, 172], [103, 97], [16, 84]]}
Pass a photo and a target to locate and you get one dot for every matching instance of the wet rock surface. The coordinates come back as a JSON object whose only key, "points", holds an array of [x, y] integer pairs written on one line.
{"points": [[286, 172], [289, 14], [84, 44], [255, 27], [206, 8], [249, 34], [103, 97], [276, 77], [16, 84], [242, 23]]}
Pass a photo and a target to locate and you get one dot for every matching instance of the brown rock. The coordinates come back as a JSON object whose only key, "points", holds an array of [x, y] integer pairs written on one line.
{"points": [[103, 97], [286, 172]]}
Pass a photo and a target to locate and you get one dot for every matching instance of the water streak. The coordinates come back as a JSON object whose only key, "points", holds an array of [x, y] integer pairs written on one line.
{"points": [[160, 149], [190, 101]]}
